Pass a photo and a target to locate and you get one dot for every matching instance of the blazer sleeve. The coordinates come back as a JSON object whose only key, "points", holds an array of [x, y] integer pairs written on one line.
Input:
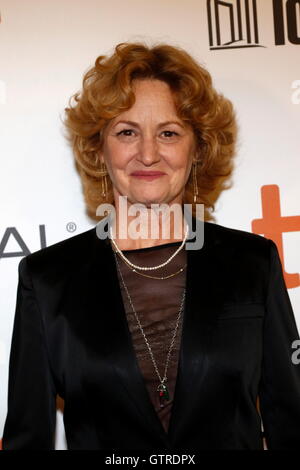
{"points": [[31, 415], [280, 380]]}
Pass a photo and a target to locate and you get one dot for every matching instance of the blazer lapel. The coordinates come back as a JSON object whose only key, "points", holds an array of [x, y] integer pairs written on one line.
{"points": [[199, 317], [203, 298]]}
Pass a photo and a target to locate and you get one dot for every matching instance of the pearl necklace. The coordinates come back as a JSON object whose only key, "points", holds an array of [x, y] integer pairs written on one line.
{"points": [[156, 277], [147, 268]]}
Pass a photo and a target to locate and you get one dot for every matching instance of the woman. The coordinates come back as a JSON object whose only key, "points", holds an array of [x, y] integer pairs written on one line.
{"points": [[173, 357]]}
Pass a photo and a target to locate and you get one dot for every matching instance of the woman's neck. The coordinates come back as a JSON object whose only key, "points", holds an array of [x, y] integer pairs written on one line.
{"points": [[128, 236]]}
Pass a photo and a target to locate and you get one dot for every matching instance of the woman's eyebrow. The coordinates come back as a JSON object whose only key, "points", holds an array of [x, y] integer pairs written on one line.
{"points": [[129, 123], [171, 122], [162, 124]]}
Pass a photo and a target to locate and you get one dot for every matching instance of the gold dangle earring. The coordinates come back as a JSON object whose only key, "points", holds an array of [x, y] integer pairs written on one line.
{"points": [[195, 183], [104, 173]]}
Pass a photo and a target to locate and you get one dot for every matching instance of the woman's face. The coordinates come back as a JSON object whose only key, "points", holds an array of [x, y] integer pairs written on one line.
{"points": [[149, 137]]}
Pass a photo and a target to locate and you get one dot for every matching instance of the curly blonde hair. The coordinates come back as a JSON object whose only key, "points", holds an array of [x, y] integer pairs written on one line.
{"points": [[107, 90]]}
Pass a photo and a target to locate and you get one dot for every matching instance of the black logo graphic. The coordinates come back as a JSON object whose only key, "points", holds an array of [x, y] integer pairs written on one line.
{"points": [[292, 28], [232, 24]]}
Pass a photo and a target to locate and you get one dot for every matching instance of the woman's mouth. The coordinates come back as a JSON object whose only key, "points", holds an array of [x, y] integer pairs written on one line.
{"points": [[147, 175]]}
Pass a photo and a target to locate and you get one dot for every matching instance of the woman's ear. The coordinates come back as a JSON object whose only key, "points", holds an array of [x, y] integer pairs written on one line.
{"points": [[197, 157], [99, 158]]}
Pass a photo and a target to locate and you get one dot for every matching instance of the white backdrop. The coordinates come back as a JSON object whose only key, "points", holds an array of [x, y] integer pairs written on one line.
{"points": [[47, 45]]}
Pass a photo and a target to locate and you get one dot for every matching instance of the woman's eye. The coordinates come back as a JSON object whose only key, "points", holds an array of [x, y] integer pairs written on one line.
{"points": [[126, 132], [169, 133], [132, 133]]}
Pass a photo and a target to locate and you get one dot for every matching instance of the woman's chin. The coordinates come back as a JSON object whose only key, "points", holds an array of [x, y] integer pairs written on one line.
{"points": [[148, 199]]}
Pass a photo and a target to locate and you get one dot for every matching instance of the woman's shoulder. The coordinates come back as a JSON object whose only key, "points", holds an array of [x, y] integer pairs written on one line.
{"points": [[66, 254], [241, 242], [224, 233], [71, 253]]}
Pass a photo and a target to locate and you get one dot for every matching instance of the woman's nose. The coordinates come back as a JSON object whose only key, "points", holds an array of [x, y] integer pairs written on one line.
{"points": [[148, 151]]}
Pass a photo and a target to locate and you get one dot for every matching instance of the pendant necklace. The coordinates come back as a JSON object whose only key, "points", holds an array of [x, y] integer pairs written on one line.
{"points": [[162, 389]]}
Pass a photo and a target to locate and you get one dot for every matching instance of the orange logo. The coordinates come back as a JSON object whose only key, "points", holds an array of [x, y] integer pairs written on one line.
{"points": [[273, 225]]}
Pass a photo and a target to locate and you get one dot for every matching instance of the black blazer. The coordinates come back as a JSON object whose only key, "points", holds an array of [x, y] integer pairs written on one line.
{"points": [[70, 337]]}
